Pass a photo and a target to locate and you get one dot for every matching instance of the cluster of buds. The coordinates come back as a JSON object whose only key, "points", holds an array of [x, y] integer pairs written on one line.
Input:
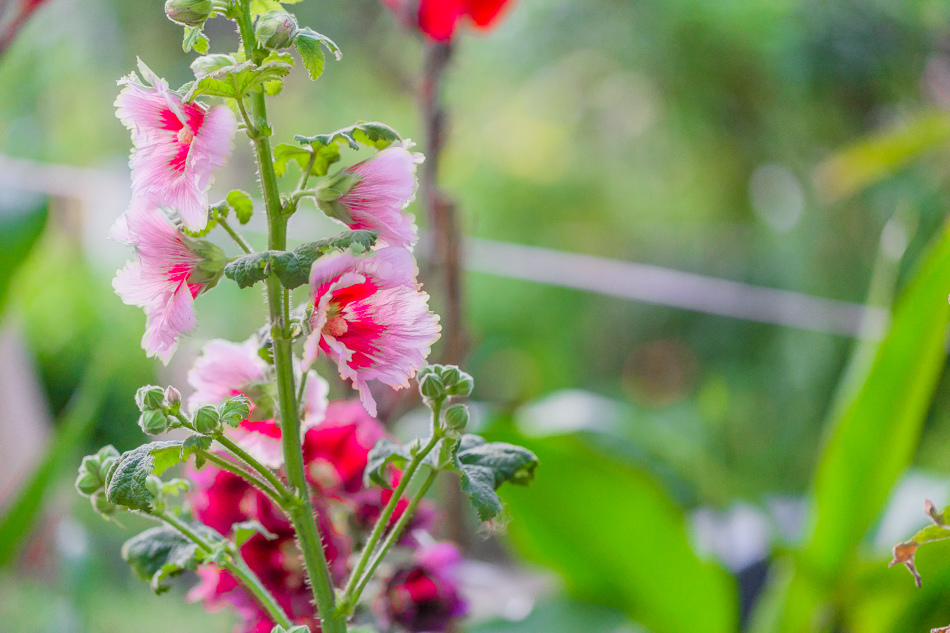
{"points": [[158, 408], [439, 383], [93, 474]]}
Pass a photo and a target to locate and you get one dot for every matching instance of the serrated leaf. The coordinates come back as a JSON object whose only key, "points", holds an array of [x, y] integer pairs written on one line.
{"points": [[237, 80], [159, 553], [243, 207], [293, 267], [259, 7], [310, 46], [284, 153], [195, 39], [327, 146], [125, 483], [486, 466], [383, 453], [245, 530], [300, 628], [193, 444]]}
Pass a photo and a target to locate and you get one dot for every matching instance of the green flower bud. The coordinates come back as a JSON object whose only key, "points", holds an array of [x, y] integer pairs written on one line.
{"points": [[188, 12], [208, 272], [88, 483], [431, 387], [450, 375], [102, 505], [153, 422], [150, 398], [276, 29], [456, 417], [235, 410], [106, 466], [463, 387], [207, 421]]}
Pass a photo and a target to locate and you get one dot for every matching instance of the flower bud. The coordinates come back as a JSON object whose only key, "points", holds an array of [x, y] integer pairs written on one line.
{"points": [[172, 398], [188, 12], [153, 422], [456, 417], [106, 466], [431, 387], [450, 375], [235, 410], [209, 270], [276, 29], [88, 482], [102, 505], [463, 387], [207, 421], [149, 398]]}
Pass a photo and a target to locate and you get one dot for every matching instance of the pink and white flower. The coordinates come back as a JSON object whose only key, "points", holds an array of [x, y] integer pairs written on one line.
{"points": [[370, 318], [227, 369], [171, 270], [177, 146], [386, 186]]}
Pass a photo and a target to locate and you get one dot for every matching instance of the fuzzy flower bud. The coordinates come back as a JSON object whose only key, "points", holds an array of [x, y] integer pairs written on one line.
{"points": [[450, 375], [456, 417], [102, 505], [463, 387], [207, 421], [172, 398], [153, 422], [89, 481], [276, 30], [150, 398], [431, 387], [188, 12]]}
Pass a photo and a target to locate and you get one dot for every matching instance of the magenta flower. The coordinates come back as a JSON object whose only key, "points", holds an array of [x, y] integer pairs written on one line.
{"points": [[227, 369], [177, 146], [386, 186], [170, 272], [370, 318], [424, 597]]}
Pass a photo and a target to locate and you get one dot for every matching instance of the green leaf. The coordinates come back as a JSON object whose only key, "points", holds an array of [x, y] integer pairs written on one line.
{"points": [[245, 530], [242, 205], [125, 483], [327, 146], [193, 444], [383, 453], [295, 629], [618, 540], [160, 553], [259, 7], [207, 64], [310, 46], [195, 39], [486, 466], [237, 80], [293, 268], [873, 159], [284, 153], [869, 446]]}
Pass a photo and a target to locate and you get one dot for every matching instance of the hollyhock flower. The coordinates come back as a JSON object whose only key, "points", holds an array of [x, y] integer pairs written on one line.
{"points": [[221, 499], [439, 18], [424, 597], [370, 318], [384, 186], [227, 369], [336, 452], [170, 272], [177, 146]]}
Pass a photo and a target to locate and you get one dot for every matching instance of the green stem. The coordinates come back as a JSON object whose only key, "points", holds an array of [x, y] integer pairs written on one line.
{"points": [[383, 522], [251, 461], [238, 239], [301, 511], [394, 535], [231, 467], [305, 176], [238, 569]]}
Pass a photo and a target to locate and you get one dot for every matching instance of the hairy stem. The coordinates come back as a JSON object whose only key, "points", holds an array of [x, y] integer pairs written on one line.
{"points": [[238, 568], [235, 448], [238, 239], [231, 467], [395, 534], [301, 511], [351, 592]]}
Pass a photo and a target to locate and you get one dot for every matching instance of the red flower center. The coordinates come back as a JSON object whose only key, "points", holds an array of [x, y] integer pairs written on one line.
{"points": [[336, 327], [185, 135]]}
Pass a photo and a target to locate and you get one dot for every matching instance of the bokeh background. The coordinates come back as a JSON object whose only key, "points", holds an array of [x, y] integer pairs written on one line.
{"points": [[743, 470]]}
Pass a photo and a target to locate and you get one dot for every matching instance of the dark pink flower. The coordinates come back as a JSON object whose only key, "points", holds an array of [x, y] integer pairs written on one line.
{"points": [[370, 318], [439, 19], [424, 597], [177, 146], [171, 270]]}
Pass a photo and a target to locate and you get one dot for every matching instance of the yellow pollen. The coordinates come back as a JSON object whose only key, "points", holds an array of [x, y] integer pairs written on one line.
{"points": [[185, 135], [337, 326]]}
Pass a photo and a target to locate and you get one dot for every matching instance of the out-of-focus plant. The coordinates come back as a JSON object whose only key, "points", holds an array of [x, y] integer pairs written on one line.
{"points": [[14, 18], [274, 473]]}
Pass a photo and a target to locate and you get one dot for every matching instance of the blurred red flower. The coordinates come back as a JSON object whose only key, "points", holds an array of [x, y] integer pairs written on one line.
{"points": [[439, 19]]}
